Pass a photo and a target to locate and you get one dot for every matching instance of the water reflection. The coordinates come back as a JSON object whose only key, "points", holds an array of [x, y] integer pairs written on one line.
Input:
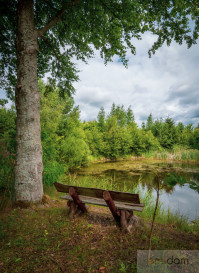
{"points": [[179, 183]]}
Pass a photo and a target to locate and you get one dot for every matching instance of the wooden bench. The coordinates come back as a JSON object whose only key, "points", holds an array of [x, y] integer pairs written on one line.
{"points": [[121, 204]]}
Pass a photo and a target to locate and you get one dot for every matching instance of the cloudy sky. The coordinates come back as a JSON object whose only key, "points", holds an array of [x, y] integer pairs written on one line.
{"points": [[165, 85]]}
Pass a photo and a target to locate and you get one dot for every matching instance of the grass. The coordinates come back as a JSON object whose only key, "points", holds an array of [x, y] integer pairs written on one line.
{"points": [[166, 217], [177, 154], [44, 239]]}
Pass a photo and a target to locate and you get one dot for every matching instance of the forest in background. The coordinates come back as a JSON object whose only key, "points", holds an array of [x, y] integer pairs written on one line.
{"points": [[68, 142]]}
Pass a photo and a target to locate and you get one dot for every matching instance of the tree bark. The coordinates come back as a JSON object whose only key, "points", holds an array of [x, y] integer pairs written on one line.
{"points": [[29, 166]]}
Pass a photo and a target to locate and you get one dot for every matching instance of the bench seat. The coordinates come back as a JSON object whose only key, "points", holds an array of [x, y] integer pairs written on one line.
{"points": [[101, 202]]}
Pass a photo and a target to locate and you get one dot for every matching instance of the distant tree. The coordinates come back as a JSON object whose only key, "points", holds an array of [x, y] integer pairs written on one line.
{"points": [[180, 127], [73, 148], [179, 130], [194, 139], [94, 138], [143, 126], [150, 143], [101, 119], [149, 123], [169, 136], [113, 110], [186, 135], [190, 127], [116, 139], [120, 114], [129, 116]]}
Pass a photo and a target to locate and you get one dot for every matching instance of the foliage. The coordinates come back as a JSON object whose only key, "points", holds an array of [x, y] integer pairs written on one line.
{"points": [[7, 151], [194, 139], [51, 113], [73, 149], [75, 28], [94, 138], [68, 143], [62, 134], [117, 135]]}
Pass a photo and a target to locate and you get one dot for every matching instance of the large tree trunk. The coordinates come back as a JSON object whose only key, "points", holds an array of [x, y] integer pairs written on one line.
{"points": [[29, 167]]}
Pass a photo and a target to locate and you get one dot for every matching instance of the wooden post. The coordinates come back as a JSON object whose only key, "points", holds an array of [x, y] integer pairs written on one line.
{"points": [[110, 203], [73, 208], [123, 219], [77, 200]]}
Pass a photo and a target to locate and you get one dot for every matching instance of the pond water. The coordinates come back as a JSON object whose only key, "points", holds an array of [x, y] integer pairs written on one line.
{"points": [[178, 182]]}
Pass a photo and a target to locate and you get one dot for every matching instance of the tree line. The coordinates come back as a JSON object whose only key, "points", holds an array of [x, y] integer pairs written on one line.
{"points": [[67, 142], [116, 134]]}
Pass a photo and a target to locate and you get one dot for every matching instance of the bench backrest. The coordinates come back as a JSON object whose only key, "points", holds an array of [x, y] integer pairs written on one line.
{"points": [[98, 193]]}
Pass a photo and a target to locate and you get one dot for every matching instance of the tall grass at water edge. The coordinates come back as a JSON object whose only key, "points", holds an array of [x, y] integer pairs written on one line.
{"points": [[175, 155]]}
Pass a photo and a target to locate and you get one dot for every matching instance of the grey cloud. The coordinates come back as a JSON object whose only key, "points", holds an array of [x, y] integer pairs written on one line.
{"points": [[165, 85], [184, 95], [93, 96], [195, 112]]}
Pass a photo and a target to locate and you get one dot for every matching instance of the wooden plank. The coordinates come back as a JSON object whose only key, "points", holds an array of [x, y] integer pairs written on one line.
{"points": [[93, 192], [110, 203], [101, 202]]}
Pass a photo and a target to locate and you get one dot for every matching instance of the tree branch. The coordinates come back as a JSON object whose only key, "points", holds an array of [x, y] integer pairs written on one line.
{"points": [[56, 19]]}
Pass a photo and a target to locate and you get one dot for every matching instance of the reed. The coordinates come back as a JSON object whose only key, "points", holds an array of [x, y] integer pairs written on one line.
{"points": [[177, 154]]}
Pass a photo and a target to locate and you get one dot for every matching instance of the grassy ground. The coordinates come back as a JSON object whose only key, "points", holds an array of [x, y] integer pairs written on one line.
{"points": [[45, 239]]}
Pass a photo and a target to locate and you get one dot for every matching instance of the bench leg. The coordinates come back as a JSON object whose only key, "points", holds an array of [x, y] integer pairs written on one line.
{"points": [[74, 211], [110, 203], [72, 208], [123, 220], [77, 200], [126, 221]]}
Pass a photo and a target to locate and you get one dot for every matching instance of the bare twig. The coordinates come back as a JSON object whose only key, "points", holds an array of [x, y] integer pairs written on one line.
{"points": [[154, 215]]}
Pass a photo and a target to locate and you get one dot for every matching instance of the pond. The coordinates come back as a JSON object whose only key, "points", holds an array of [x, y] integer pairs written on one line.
{"points": [[178, 182]]}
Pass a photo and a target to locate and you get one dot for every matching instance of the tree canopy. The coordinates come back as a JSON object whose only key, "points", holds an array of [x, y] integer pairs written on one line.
{"points": [[74, 29]]}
